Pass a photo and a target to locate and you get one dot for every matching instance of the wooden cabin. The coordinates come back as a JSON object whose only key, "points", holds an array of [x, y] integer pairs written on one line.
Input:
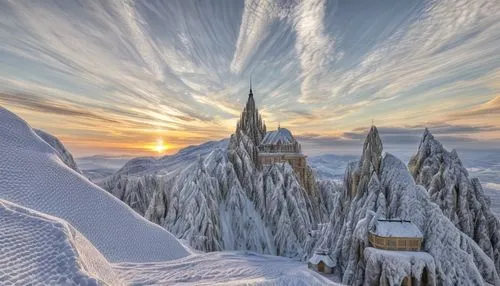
{"points": [[321, 262], [396, 234]]}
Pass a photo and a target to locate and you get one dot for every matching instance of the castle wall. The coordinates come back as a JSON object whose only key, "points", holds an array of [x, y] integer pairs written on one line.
{"points": [[297, 161]]}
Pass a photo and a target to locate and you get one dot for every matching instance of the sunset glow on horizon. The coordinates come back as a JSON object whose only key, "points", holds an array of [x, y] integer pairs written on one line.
{"points": [[147, 79]]}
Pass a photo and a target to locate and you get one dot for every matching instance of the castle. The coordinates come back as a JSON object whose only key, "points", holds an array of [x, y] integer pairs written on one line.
{"points": [[278, 146]]}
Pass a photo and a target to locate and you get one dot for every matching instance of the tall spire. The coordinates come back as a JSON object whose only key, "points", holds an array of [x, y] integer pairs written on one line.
{"points": [[251, 93]]}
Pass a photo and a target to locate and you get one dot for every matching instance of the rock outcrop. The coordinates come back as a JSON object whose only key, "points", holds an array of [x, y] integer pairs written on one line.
{"points": [[380, 186], [460, 197]]}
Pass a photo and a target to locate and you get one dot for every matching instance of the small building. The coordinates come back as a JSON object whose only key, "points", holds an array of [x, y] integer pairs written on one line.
{"points": [[321, 262], [279, 146], [396, 234]]}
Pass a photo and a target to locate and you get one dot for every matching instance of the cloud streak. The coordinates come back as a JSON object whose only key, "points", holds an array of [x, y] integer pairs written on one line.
{"points": [[180, 70]]}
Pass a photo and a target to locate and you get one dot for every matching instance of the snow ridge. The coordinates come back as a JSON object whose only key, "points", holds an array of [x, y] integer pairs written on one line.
{"points": [[460, 197], [40, 249], [61, 151], [32, 175]]}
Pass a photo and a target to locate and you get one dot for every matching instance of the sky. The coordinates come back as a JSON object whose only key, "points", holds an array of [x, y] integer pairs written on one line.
{"points": [[151, 77]]}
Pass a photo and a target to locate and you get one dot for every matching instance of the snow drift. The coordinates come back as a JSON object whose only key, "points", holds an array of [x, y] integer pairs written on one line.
{"points": [[32, 175], [40, 249], [61, 151]]}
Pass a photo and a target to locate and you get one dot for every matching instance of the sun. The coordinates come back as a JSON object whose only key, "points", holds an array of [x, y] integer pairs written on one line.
{"points": [[160, 147]]}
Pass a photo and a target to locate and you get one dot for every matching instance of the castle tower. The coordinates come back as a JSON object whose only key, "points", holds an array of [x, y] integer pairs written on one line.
{"points": [[250, 121]]}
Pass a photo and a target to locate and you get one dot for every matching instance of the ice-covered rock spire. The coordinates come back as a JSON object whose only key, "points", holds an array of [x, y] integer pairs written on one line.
{"points": [[372, 151], [460, 197], [367, 165], [250, 122], [379, 186]]}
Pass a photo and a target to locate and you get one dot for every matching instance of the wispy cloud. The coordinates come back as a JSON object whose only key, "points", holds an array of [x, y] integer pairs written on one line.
{"points": [[180, 69]]}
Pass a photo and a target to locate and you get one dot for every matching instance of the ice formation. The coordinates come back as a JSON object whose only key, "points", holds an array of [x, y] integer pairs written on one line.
{"points": [[380, 186], [460, 197], [386, 267], [32, 175]]}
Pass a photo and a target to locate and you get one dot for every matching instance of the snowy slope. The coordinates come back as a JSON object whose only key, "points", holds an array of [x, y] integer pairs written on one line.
{"points": [[61, 151], [169, 164], [38, 249], [223, 268], [482, 164], [96, 168], [32, 175]]}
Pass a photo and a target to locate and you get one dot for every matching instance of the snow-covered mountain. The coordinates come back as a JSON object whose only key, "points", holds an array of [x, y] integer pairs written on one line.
{"points": [[98, 167], [380, 186], [460, 197], [330, 166], [33, 175], [216, 198]]}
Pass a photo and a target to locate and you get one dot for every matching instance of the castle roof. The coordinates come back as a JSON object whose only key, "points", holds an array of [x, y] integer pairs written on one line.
{"points": [[396, 228], [281, 136]]}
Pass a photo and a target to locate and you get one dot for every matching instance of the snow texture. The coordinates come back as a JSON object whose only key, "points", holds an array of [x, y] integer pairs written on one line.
{"points": [[223, 268], [37, 249], [380, 186], [317, 258], [61, 151], [396, 228], [387, 267], [32, 175], [460, 197]]}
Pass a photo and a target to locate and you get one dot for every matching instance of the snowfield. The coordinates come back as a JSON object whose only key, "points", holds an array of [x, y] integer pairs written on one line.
{"points": [[32, 175], [40, 249], [223, 268], [43, 250]]}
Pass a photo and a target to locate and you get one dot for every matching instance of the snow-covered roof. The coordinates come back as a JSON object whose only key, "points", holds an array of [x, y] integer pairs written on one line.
{"points": [[397, 228], [317, 258], [282, 136]]}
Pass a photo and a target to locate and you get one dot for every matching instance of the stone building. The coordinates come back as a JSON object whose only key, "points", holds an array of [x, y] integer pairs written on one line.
{"points": [[277, 146], [280, 146]]}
